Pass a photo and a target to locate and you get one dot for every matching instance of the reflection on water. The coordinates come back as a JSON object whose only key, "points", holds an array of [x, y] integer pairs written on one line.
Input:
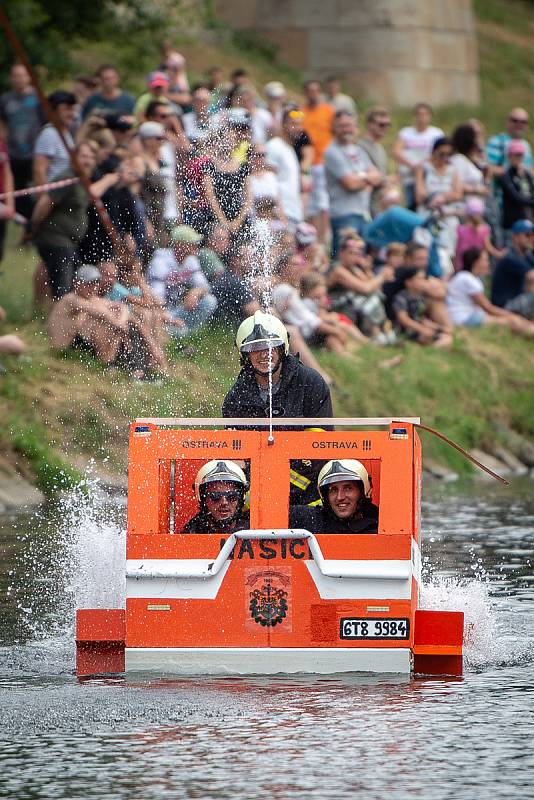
{"points": [[328, 737]]}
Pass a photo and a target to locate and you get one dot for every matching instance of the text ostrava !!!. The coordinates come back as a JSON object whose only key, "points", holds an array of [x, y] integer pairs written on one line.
{"points": [[266, 549]]}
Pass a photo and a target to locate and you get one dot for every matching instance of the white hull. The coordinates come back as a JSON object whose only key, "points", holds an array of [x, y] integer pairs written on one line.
{"points": [[266, 660]]}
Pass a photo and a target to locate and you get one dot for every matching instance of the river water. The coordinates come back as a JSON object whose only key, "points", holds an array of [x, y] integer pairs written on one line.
{"points": [[330, 737]]}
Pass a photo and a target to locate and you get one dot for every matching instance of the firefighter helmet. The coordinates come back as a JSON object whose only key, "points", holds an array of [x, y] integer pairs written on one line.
{"points": [[261, 331], [347, 469], [218, 471]]}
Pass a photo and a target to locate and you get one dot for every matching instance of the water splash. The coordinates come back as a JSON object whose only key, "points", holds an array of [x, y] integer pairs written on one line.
{"points": [[489, 636], [95, 548], [74, 557]]}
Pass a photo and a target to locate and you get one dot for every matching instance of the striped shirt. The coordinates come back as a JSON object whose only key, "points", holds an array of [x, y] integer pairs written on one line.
{"points": [[497, 151], [50, 144]]}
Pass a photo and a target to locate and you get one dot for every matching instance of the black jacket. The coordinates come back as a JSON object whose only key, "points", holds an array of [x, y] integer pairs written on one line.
{"points": [[302, 393], [318, 519], [517, 196], [204, 523]]}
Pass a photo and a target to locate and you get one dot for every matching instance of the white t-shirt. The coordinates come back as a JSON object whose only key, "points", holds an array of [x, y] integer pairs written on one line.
{"points": [[168, 170], [461, 289], [283, 158], [417, 147], [264, 184], [163, 267], [262, 123], [470, 175], [293, 310]]}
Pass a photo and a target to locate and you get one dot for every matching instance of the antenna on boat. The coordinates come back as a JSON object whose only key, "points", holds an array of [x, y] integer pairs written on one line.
{"points": [[463, 452]]}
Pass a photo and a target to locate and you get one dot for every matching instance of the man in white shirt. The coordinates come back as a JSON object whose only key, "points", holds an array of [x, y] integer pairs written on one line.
{"points": [[176, 277], [282, 157], [413, 146]]}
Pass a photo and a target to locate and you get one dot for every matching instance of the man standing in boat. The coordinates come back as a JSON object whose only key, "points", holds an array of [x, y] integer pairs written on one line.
{"points": [[219, 488], [345, 490], [297, 390]]}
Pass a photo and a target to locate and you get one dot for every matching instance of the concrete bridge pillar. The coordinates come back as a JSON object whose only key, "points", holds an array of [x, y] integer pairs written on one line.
{"points": [[391, 51]]}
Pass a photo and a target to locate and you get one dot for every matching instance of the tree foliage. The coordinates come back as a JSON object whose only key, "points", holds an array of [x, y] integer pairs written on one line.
{"points": [[46, 29]]}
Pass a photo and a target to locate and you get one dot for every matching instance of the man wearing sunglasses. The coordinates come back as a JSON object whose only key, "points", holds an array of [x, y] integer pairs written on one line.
{"points": [[377, 124], [219, 488], [497, 147]]}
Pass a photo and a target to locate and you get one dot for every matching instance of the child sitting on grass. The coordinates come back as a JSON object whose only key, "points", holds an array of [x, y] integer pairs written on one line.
{"points": [[395, 253], [315, 296], [289, 306], [410, 311]]}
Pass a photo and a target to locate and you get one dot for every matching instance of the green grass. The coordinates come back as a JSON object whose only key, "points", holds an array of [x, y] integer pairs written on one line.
{"points": [[58, 405]]}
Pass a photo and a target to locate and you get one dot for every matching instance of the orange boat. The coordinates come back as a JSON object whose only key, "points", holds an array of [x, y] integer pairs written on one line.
{"points": [[270, 599]]}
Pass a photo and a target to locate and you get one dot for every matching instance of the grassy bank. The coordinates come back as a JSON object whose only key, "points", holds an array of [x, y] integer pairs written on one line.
{"points": [[60, 412]]}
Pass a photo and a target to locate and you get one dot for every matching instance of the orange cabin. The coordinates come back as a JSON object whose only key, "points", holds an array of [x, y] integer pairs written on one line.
{"points": [[342, 602]]}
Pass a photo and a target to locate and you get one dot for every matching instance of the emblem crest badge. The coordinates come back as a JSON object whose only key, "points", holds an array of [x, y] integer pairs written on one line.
{"points": [[268, 605], [268, 598]]}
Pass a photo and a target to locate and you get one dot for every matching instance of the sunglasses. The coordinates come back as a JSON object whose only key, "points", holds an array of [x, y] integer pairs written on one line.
{"points": [[216, 497], [296, 115], [383, 124], [444, 153], [518, 120]]}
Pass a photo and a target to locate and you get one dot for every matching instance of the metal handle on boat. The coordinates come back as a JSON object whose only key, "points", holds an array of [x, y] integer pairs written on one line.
{"points": [[264, 422], [348, 569]]}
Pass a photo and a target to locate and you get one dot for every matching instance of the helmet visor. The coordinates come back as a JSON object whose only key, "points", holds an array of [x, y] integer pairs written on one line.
{"points": [[341, 476], [261, 344]]}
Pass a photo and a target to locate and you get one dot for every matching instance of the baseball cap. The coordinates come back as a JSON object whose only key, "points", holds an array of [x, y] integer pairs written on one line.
{"points": [[186, 234], [87, 274], [522, 226], [517, 147], [151, 130], [157, 79], [474, 206], [275, 89]]}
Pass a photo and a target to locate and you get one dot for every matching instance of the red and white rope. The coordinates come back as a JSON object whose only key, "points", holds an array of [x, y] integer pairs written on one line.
{"points": [[44, 187]]}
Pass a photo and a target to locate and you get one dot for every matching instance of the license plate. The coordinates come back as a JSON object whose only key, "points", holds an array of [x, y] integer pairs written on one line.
{"points": [[366, 628]]}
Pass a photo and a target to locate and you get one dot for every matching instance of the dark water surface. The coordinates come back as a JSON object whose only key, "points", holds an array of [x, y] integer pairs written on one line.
{"points": [[300, 737]]}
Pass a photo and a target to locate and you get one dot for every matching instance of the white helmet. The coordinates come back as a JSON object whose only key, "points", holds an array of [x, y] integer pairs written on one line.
{"points": [[346, 470], [261, 331], [218, 471]]}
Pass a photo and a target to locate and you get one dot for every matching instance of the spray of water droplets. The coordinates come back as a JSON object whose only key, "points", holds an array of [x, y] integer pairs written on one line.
{"points": [[260, 278], [487, 637]]}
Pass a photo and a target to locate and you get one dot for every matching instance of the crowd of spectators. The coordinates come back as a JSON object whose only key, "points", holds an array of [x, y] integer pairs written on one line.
{"points": [[225, 199]]}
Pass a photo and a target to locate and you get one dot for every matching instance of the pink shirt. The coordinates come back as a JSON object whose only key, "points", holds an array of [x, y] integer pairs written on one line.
{"points": [[467, 237]]}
